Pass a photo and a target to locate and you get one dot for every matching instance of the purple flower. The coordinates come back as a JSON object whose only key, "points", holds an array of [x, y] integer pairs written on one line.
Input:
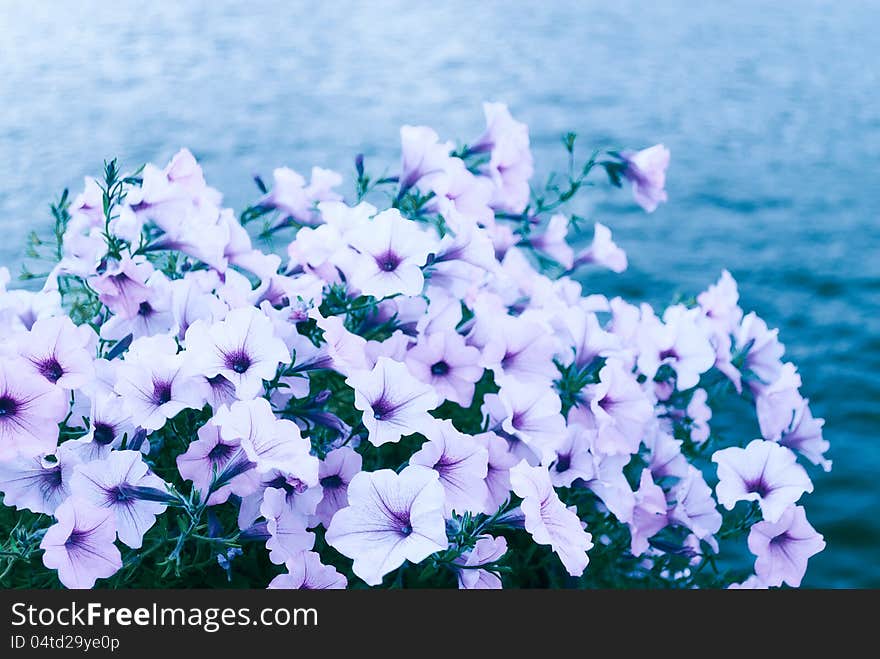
{"points": [[445, 362], [573, 458], [665, 456], [108, 484], [784, 547], [763, 351], [391, 251], [486, 550], [122, 287], [777, 403], [423, 155], [207, 458], [153, 384], [462, 465], [109, 425], [583, 339], [80, 544], [618, 409], [552, 241], [391, 518], [510, 164], [286, 524], [295, 199], [242, 348], [60, 351], [393, 402], [805, 437], [649, 513], [31, 408], [521, 348], [335, 473], [694, 507], [532, 414], [646, 170], [764, 472], [498, 473], [548, 520], [305, 571], [37, 483], [268, 442], [602, 251], [610, 485]]}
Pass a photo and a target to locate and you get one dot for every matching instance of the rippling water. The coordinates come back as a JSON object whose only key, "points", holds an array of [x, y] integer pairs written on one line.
{"points": [[769, 109]]}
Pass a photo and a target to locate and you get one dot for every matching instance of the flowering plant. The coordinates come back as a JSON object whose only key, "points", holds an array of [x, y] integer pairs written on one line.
{"points": [[418, 394]]}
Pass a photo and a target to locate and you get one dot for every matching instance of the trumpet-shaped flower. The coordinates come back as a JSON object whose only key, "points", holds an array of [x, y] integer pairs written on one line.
{"points": [[306, 572], [784, 547], [31, 408]]}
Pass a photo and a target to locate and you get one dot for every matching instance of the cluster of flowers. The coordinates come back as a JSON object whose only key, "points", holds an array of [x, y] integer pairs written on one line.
{"points": [[417, 395]]}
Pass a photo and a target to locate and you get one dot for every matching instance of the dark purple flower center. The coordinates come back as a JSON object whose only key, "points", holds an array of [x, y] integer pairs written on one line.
{"points": [[563, 463], [388, 261], [332, 482], [77, 538], [238, 361], [220, 452], [382, 408], [759, 487], [517, 420], [669, 354], [161, 392], [8, 406], [145, 309], [51, 369], [440, 368], [406, 529], [104, 433], [118, 494]]}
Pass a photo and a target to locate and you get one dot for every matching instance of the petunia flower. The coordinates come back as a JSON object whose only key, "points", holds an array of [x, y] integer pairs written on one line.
{"points": [[487, 550], [784, 547], [646, 170], [393, 402], [694, 507], [60, 351], [391, 518], [649, 513], [763, 351], [422, 155], [445, 362], [122, 287], [521, 349], [286, 525], [110, 483], [80, 544], [391, 252], [777, 403], [297, 200], [268, 442], [242, 348], [805, 437], [39, 483], [462, 465], [335, 473], [533, 414], [573, 458], [548, 520], [306, 572], [109, 426], [510, 163], [206, 459], [31, 408], [501, 459], [153, 383], [602, 251], [552, 241], [764, 472]]}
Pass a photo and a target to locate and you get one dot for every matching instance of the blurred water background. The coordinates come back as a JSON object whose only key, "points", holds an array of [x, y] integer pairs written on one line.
{"points": [[770, 110]]}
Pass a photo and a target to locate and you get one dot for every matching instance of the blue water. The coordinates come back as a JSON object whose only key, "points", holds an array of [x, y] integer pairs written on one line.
{"points": [[770, 110]]}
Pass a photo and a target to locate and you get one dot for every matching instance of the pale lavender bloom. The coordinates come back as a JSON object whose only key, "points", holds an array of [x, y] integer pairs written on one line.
{"points": [[678, 342], [207, 458], [422, 155], [80, 544], [38, 483], [611, 486], [153, 384], [498, 473], [192, 301], [242, 348], [646, 170], [109, 425], [751, 583], [486, 550], [462, 465], [153, 316], [764, 472], [295, 199], [532, 412], [552, 242], [109, 483], [548, 520], [573, 458], [306, 572], [335, 473], [391, 518], [720, 304], [649, 513], [60, 351], [288, 535], [393, 402], [459, 196], [122, 287], [20, 309], [764, 351], [510, 165], [445, 362], [346, 350], [31, 408], [699, 413], [602, 251], [583, 339], [391, 252], [268, 442], [805, 437], [665, 456], [618, 409], [694, 506], [784, 547], [778, 402], [521, 348]]}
